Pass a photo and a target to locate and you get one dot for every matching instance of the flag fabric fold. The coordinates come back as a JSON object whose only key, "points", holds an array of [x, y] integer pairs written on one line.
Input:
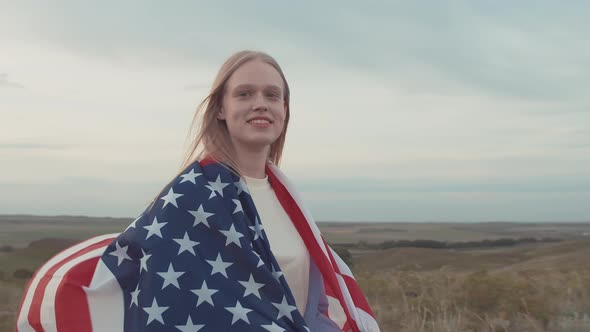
{"points": [[197, 259]]}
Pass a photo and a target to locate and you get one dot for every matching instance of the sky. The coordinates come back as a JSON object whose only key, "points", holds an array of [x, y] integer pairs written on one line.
{"points": [[410, 111]]}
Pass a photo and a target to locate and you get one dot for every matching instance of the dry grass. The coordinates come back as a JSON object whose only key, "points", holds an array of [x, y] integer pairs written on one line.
{"points": [[10, 296], [480, 301], [554, 298]]}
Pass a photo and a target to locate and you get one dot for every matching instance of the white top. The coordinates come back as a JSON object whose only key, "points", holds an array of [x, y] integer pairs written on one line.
{"points": [[285, 242]]}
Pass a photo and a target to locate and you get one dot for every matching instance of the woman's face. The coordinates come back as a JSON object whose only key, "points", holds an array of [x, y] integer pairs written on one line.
{"points": [[254, 106]]}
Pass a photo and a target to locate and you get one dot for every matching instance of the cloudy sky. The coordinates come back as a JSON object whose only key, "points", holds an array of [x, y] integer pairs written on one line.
{"points": [[401, 111]]}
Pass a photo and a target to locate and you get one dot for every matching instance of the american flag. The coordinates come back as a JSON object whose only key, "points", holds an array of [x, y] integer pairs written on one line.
{"points": [[198, 259]]}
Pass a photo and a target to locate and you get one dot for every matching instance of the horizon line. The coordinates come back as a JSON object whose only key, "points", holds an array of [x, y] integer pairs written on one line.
{"points": [[326, 221]]}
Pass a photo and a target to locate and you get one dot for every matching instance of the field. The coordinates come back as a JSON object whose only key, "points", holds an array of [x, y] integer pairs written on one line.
{"points": [[379, 232], [540, 285]]}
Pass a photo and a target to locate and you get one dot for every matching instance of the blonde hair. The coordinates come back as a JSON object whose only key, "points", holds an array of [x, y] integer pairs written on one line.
{"points": [[209, 136]]}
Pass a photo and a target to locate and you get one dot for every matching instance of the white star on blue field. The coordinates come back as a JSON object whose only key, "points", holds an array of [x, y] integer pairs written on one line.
{"points": [[400, 111]]}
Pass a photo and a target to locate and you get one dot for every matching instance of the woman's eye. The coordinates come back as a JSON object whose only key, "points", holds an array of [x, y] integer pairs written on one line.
{"points": [[273, 95], [244, 94]]}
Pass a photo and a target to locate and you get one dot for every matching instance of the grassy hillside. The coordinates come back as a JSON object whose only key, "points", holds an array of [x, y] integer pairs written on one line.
{"points": [[543, 287], [526, 287], [20, 230]]}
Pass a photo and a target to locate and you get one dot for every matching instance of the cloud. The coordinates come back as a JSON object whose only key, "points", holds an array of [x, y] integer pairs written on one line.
{"points": [[33, 146], [4, 82], [441, 100], [446, 48], [197, 87], [503, 184], [451, 207]]}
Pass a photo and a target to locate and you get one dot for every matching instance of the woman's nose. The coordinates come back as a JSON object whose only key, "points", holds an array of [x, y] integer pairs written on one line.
{"points": [[260, 102]]}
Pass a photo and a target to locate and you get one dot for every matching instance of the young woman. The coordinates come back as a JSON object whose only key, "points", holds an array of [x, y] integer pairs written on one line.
{"points": [[226, 246]]}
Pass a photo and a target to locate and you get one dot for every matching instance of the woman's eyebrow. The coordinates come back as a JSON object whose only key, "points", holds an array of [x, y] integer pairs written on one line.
{"points": [[250, 86], [243, 86]]}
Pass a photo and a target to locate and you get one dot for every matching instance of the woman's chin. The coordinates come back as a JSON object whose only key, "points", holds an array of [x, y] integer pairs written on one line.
{"points": [[258, 144]]}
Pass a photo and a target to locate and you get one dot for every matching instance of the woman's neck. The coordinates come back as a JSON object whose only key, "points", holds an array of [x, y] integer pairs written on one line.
{"points": [[253, 162]]}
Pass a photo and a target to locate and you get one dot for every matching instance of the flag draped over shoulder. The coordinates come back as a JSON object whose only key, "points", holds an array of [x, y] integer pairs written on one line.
{"points": [[198, 259]]}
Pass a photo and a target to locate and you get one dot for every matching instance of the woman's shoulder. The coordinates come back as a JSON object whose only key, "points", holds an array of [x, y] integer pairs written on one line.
{"points": [[199, 181], [194, 196]]}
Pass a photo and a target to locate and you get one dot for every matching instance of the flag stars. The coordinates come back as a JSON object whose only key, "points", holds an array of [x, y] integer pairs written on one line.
{"points": [[120, 253], [217, 185], [134, 223], [252, 287], [204, 294], [190, 177], [238, 206], [257, 228], [143, 261], [239, 313], [232, 236], [134, 295], [170, 277], [241, 186], [155, 312], [213, 194], [277, 273], [154, 228], [186, 244], [219, 266], [189, 326], [273, 327], [260, 262], [170, 198], [201, 216], [285, 309]]}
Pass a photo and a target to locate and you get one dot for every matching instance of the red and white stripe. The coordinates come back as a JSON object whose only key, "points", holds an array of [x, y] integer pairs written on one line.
{"points": [[57, 297], [348, 306]]}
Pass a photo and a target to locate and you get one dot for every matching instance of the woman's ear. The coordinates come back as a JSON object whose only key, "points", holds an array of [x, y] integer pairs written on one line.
{"points": [[221, 114]]}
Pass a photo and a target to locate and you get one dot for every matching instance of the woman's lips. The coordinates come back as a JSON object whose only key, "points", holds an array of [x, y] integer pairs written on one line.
{"points": [[262, 124]]}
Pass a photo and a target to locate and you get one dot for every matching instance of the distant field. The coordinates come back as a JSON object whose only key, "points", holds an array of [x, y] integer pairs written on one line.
{"points": [[527, 287], [379, 232], [19, 230]]}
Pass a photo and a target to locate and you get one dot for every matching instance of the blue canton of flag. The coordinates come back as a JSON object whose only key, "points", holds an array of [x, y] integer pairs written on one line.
{"points": [[198, 259]]}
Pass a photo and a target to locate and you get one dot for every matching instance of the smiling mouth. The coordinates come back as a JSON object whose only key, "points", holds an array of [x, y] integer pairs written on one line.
{"points": [[259, 121]]}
